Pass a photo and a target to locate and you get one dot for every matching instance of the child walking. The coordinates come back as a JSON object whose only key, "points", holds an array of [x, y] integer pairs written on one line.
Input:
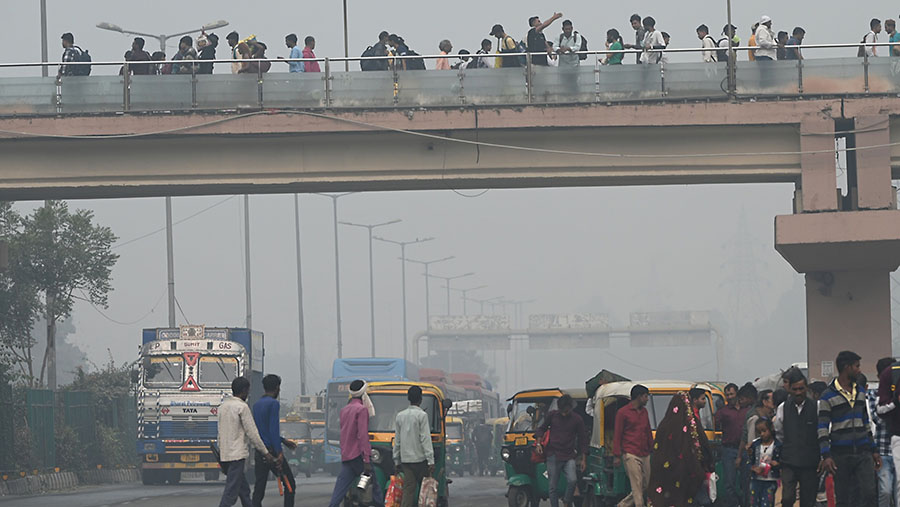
{"points": [[764, 460]]}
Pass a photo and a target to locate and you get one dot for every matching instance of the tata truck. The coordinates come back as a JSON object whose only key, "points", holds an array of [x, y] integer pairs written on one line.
{"points": [[185, 375]]}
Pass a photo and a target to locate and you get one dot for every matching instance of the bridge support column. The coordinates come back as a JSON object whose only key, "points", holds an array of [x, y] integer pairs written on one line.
{"points": [[847, 256]]}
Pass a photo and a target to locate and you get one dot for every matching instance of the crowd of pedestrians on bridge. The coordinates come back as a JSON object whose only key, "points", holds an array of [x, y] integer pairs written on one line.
{"points": [[564, 49]]}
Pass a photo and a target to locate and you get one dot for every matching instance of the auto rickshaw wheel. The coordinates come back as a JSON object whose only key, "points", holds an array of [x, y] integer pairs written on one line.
{"points": [[519, 496], [589, 500]]}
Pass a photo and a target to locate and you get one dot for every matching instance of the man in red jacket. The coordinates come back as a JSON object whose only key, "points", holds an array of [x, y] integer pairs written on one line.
{"points": [[632, 442]]}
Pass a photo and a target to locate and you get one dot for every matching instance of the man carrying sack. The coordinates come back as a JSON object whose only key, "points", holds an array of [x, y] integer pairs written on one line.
{"points": [[412, 446]]}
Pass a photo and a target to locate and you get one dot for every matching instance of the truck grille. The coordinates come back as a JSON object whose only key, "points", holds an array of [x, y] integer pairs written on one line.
{"points": [[187, 429]]}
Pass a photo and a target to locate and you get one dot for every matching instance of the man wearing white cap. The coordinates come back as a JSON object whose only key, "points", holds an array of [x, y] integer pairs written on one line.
{"points": [[355, 448], [765, 40]]}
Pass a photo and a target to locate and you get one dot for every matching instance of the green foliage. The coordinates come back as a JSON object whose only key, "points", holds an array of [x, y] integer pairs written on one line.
{"points": [[70, 450], [19, 302], [114, 446]]}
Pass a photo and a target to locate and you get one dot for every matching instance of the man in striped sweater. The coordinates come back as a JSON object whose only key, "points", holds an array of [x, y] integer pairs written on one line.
{"points": [[845, 435]]}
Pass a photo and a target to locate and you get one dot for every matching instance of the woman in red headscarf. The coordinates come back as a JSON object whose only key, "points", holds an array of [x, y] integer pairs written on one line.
{"points": [[681, 457]]}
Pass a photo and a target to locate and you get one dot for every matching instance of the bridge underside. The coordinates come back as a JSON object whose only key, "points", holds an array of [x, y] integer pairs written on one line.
{"points": [[845, 244]]}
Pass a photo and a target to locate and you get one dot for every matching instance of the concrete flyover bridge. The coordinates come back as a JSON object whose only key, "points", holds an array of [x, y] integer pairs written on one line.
{"points": [[127, 136]]}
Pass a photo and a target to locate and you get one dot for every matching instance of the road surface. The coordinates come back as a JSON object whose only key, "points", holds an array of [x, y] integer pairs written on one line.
{"points": [[312, 492]]}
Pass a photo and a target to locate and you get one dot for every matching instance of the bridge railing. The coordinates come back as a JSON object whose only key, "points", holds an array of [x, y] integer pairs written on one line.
{"points": [[590, 82]]}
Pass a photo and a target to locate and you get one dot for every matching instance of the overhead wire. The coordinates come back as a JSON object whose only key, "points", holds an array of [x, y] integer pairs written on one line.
{"points": [[177, 222], [119, 322], [178, 304]]}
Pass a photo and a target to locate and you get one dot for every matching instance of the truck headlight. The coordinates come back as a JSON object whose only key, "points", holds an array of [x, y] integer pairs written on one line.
{"points": [[376, 456], [505, 454]]}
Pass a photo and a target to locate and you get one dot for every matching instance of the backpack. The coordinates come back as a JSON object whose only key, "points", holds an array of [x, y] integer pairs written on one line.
{"points": [[582, 47], [414, 63], [722, 53], [862, 49], [716, 45], [371, 64], [83, 56]]}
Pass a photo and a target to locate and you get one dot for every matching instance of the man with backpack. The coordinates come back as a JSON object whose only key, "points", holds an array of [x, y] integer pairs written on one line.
{"points": [[377, 49], [570, 42], [709, 43], [729, 31], [871, 38], [73, 53], [506, 45]]}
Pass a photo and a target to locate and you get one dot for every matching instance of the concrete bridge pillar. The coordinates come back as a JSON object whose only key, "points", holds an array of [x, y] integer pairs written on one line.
{"points": [[847, 246]]}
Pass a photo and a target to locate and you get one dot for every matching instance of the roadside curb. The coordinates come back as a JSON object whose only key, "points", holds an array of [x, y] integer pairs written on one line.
{"points": [[59, 481]]}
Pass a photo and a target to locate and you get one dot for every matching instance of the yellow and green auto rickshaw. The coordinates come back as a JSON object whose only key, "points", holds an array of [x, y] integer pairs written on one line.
{"points": [[529, 483], [460, 452], [301, 457], [607, 484], [389, 399]]}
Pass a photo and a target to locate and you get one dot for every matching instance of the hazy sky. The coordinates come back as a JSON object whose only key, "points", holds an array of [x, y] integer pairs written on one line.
{"points": [[613, 250]]}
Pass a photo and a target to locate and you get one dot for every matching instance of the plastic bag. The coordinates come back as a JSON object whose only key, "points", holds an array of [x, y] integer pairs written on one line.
{"points": [[428, 494], [394, 492], [713, 478]]}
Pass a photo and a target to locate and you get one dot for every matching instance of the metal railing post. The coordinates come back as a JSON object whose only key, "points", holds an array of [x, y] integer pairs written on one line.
{"points": [[193, 88], [597, 66], [662, 75], [328, 77], [461, 74], [259, 84], [866, 67], [396, 81], [59, 108], [126, 87], [800, 77], [529, 75]]}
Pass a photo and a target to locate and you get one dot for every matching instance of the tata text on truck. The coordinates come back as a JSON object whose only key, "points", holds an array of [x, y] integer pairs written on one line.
{"points": [[185, 374]]}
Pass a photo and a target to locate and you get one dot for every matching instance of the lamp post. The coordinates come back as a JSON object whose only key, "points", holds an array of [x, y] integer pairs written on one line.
{"points": [[346, 47], [371, 227], [448, 280], [337, 270], [162, 37], [427, 265], [403, 245], [44, 71], [465, 298], [301, 338]]}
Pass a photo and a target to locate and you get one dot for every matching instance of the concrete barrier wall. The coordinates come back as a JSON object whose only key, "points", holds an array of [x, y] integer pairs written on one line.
{"points": [[37, 484]]}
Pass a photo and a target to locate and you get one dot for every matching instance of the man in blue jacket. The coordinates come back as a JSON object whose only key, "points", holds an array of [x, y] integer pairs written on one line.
{"points": [[267, 413]]}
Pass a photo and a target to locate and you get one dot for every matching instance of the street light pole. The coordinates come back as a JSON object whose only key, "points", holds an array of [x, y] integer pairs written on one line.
{"points": [[346, 44], [170, 262], [465, 298], [44, 50], [448, 280], [337, 271], [371, 227], [161, 38], [732, 76], [427, 264], [247, 285], [403, 245], [301, 339]]}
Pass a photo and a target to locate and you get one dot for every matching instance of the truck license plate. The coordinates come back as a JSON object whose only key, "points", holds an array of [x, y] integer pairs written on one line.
{"points": [[190, 458]]}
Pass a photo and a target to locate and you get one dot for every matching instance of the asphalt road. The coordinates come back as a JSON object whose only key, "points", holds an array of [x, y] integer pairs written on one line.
{"points": [[312, 492]]}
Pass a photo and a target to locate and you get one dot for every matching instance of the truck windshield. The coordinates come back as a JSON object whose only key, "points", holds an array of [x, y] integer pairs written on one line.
{"points": [[318, 432], [388, 405], [217, 370], [163, 371]]}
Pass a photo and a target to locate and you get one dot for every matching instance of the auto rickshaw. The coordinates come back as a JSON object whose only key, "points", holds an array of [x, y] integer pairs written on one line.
{"points": [[298, 430], [608, 484], [389, 399], [529, 483], [498, 429], [318, 444], [460, 454]]}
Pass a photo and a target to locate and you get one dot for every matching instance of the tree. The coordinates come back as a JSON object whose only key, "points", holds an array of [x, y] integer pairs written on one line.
{"points": [[19, 302], [64, 253]]}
